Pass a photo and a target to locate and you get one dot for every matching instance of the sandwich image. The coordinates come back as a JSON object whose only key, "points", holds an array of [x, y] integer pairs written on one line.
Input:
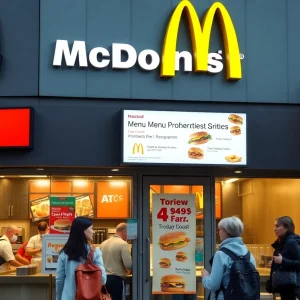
{"points": [[181, 256], [233, 158], [173, 240], [235, 130], [195, 153], [165, 263], [41, 210], [236, 119], [172, 283], [199, 138], [62, 224]]}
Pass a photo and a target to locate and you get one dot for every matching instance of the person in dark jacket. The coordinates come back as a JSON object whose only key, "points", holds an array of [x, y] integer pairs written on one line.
{"points": [[286, 255]]}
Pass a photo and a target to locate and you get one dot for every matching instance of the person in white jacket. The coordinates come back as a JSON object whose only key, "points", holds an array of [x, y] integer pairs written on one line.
{"points": [[73, 253]]}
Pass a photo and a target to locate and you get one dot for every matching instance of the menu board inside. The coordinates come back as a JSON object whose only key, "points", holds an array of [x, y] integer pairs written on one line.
{"points": [[172, 137]]}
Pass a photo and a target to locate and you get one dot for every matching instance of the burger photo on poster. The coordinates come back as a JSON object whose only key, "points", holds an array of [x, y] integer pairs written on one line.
{"points": [[195, 153], [62, 224], [198, 138], [235, 130], [172, 283], [173, 240], [181, 256], [165, 263], [236, 119]]}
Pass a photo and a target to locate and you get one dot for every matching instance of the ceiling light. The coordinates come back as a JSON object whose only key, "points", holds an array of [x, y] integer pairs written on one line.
{"points": [[107, 176], [1, 176], [231, 180], [43, 182], [80, 183], [40, 169], [238, 172], [115, 170], [33, 176]]}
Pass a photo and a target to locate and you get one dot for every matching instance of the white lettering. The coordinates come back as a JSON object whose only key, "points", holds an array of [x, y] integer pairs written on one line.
{"points": [[147, 59], [155, 60], [214, 63], [188, 61], [78, 49], [117, 62], [93, 57]]}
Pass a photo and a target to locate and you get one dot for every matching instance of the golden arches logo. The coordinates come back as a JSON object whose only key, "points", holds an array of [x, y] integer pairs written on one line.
{"points": [[200, 36], [199, 200], [138, 148]]}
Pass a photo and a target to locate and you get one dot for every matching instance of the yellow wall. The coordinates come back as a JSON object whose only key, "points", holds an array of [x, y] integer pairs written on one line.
{"points": [[269, 199]]}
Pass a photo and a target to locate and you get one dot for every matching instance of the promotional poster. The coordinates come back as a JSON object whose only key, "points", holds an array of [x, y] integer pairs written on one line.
{"points": [[172, 137], [52, 244], [174, 242], [62, 214]]}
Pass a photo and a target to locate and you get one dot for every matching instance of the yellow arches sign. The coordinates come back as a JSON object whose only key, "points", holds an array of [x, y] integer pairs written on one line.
{"points": [[200, 35]]}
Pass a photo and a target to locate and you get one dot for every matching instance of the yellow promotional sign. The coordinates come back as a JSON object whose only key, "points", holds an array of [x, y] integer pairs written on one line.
{"points": [[138, 148], [200, 35]]}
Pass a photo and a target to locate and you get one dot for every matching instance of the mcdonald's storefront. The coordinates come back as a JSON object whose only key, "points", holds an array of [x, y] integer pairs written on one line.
{"points": [[135, 106]]}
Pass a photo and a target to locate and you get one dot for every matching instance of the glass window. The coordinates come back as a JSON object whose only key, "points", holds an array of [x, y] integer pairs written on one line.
{"points": [[258, 202]]}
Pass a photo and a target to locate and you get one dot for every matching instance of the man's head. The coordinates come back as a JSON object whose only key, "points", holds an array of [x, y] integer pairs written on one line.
{"points": [[11, 232], [42, 228], [121, 230]]}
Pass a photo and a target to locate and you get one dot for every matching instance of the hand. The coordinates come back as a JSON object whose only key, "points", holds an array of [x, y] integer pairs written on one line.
{"points": [[270, 263], [205, 273], [278, 259]]}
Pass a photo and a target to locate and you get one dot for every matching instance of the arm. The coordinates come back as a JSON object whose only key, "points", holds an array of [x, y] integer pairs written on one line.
{"points": [[126, 257], [99, 262], [294, 249], [21, 259], [8, 255], [214, 280], [60, 276], [15, 263], [32, 251]]}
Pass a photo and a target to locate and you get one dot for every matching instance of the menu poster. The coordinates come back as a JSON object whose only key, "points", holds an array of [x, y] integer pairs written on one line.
{"points": [[84, 206], [172, 137], [39, 208], [174, 242], [52, 244], [62, 213]]}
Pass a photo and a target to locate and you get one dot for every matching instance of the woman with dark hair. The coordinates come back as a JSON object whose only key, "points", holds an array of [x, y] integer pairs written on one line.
{"points": [[286, 257], [74, 252]]}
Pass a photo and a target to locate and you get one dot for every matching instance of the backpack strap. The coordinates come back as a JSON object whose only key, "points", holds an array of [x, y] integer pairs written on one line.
{"points": [[90, 257], [233, 256]]}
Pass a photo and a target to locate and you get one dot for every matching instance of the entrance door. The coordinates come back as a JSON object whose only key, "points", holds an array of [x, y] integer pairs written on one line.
{"points": [[205, 228]]}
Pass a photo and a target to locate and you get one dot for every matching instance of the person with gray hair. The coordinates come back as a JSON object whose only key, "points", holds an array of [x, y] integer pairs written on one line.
{"points": [[117, 261], [7, 257], [230, 230]]}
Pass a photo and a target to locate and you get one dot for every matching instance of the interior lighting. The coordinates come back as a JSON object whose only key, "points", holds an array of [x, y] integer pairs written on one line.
{"points": [[231, 180]]}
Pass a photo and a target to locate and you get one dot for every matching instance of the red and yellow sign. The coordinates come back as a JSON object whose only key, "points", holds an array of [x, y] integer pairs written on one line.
{"points": [[62, 214]]}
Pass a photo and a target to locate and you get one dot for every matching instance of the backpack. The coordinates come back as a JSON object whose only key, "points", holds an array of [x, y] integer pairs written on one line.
{"points": [[244, 280], [88, 278]]}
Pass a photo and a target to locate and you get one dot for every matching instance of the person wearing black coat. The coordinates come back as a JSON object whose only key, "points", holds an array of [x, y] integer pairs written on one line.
{"points": [[286, 256]]}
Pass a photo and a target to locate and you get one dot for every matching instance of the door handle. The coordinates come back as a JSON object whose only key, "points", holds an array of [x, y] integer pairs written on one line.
{"points": [[9, 210], [147, 252], [12, 211]]}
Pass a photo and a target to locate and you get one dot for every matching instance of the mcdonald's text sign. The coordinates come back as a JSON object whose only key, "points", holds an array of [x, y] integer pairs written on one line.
{"points": [[68, 53]]}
